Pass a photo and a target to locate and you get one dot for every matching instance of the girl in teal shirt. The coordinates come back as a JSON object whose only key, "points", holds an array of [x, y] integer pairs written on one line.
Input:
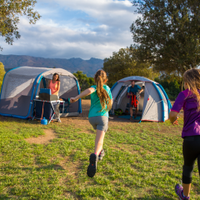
{"points": [[101, 103]]}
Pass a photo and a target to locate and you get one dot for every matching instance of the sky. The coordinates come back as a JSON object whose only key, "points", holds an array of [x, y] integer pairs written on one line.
{"points": [[75, 29]]}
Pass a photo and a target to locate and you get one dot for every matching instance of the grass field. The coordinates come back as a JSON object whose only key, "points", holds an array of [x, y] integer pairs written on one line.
{"points": [[143, 161]]}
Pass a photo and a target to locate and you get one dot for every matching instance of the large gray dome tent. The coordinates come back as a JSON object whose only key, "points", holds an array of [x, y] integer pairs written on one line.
{"points": [[154, 103], [22, 84]]}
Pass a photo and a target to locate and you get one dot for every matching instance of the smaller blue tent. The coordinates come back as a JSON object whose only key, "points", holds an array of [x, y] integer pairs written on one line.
{"points": [[154, 104]]}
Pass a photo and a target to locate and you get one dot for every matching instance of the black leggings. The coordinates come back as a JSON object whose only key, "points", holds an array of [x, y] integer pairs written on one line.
{"points": [[191, 152]]}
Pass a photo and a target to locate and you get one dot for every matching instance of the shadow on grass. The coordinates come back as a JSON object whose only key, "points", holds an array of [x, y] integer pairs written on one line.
{"points": [[4, 197], [13, 119], [91, 131], [153, 198], [114, 118], [47, 167]]}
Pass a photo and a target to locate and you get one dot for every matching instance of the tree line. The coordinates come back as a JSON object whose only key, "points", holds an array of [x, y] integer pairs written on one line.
{"points": [[124, 63]]}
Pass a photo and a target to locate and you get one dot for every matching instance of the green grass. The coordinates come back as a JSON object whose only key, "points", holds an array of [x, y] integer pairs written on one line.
{"points": [[143, 161]]}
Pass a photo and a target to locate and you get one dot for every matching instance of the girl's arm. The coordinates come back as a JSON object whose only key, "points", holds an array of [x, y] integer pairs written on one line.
{"points": [[178, 104], [83, 94], [173, 117], [111, 102]]}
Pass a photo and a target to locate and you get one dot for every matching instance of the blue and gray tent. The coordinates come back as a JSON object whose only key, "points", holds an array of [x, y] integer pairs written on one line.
{"points": [[154, 104], [21, 85]]}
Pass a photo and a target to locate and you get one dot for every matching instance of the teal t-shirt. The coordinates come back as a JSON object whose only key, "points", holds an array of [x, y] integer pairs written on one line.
{"points": [[96, 105], [134, 89]]}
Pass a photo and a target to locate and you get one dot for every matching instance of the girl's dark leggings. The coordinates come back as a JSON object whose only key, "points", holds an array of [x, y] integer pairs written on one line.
{"points": [[191, 152]]}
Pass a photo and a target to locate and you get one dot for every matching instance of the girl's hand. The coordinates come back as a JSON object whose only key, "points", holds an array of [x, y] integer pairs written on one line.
{"points": [[83, 94], [73, 100], [173, 117], [176, 121]]}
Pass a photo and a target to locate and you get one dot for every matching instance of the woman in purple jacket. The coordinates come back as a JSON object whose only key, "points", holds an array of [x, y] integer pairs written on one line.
{"points": [[189, 100]]}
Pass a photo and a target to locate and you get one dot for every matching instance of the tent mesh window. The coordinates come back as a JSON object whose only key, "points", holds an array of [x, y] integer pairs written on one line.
{"points": [[17, 86], [120, 91], [16, 97]]}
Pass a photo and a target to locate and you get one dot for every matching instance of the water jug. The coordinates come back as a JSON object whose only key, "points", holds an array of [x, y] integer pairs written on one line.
{"points": [[44, 121]]}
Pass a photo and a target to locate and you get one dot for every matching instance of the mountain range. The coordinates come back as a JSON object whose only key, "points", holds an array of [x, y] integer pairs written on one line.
{"points": [[89, 67]]}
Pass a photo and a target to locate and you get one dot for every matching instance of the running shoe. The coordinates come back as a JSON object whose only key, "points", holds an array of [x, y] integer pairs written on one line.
{"points": [[179, 192], [92, 168], [102, 154]]}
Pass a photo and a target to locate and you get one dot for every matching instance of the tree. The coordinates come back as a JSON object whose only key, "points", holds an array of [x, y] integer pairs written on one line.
{"points": [[2, 73], [168, 34], [10, 10], [124, 63], [84, 81], [171, 84]]}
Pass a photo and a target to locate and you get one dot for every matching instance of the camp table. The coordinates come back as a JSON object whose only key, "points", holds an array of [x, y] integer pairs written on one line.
{"points": [[48, 109]]}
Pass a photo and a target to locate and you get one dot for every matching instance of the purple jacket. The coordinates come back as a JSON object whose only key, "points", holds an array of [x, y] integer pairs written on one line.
{"points": [[191, 125]]}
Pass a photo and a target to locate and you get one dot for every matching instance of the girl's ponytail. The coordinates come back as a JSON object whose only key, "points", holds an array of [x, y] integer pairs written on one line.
{"points": [[100, 78], [99, 84], [192, 78]]}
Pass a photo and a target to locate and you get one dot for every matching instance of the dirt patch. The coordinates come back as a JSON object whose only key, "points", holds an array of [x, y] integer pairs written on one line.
{"points": [[44, 139], [71, 167]]}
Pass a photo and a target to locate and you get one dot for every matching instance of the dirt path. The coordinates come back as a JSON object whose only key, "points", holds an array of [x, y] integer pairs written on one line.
{"points": [[43, 139]]}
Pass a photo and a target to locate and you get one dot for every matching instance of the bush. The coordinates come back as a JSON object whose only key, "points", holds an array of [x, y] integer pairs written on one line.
{"points": [[2, 73], [170, 84], [84, 81]]}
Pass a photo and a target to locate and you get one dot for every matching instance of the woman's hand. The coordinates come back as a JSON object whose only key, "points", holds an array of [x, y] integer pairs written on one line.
{"points": [[73, 100]]}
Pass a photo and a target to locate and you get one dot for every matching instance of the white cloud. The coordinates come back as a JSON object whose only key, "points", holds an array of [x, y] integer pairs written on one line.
{"points": [[100, 28]]}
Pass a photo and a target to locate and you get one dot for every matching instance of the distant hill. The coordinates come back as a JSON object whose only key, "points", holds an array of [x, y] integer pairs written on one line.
{"points": [[89, 67]]}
